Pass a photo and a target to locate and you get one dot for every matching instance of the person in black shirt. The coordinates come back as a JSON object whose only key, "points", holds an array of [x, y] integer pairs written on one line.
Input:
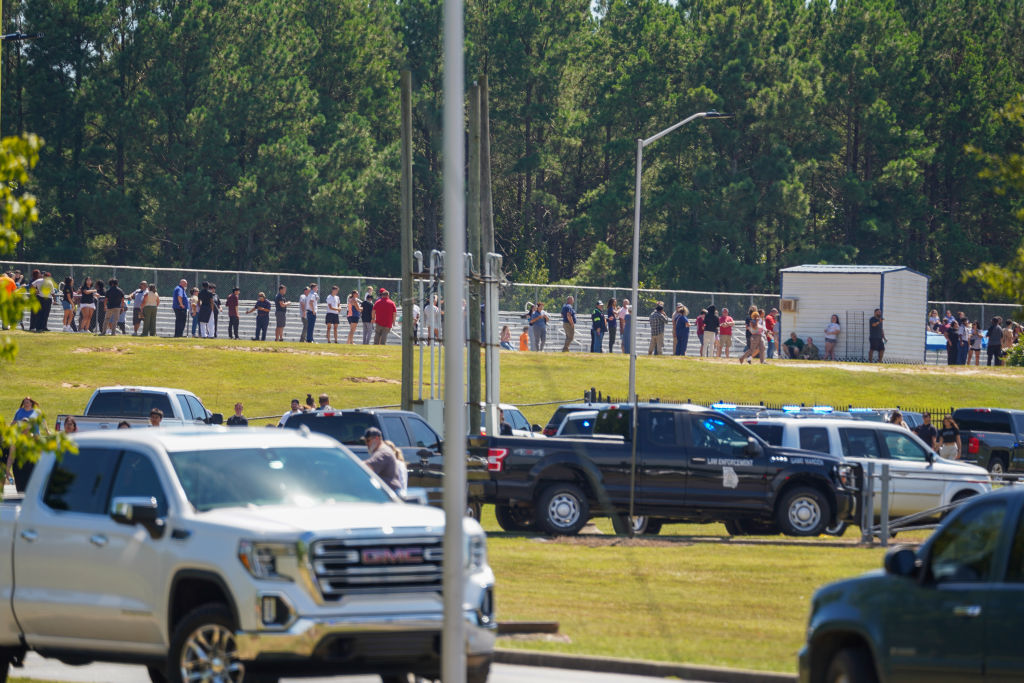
{"points": [[367, 318], [598, 326], [876, 336], [115, 302], [926, 430], [949, 439], [205, 311], [237, 420], [262, 308], [995, 341], [280, 312]]}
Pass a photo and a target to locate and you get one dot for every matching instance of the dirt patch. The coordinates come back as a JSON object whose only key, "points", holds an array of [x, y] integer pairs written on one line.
{"points": [[66, 385], [102, 349], [543, 637], [373, 380]]}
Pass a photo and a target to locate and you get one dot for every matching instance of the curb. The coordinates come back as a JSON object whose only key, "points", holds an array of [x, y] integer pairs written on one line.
{"points": [[638, 667]]}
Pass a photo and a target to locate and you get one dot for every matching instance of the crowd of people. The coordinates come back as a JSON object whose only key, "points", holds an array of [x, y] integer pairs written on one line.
{"points": [[965, 338]]}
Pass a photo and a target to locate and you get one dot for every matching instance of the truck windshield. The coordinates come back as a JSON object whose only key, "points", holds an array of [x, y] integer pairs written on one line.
{"points": [[128, 404], [274, 476]]}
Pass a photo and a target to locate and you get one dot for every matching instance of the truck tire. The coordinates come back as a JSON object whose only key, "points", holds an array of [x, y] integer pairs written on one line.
{"points": [[803, 511], [851, 665], [744, 527], [513, 518], [479, 673], [561, 509], [653, 527], [997, 466], [208, 629], [156, 674], [640, 524], [4, 667]]}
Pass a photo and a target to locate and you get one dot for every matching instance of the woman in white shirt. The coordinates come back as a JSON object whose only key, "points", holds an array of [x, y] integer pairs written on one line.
{"points": [[831, 335], [333, 313]]}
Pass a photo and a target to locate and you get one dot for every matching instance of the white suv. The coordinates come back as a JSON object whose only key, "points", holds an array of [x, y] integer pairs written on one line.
{"points": [[920, 479]]}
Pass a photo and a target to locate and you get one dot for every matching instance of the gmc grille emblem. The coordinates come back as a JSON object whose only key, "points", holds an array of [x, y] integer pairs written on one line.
{"points": [[377, 556]]}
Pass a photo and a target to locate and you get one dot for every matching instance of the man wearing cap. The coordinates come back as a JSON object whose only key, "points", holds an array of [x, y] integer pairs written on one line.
{"points": [[658, 320], [383, 460], [384, 312], [232, 304], [180, 305]]}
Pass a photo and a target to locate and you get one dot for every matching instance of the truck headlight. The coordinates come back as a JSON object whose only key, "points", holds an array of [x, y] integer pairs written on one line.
{"points": [[269, 560], [476, 551], [844, 473]]}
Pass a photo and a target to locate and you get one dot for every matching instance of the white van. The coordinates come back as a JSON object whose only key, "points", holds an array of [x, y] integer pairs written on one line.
{"points": [[920, 479]]}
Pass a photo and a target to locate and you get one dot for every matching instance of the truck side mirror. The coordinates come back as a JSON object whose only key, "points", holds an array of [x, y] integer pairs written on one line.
{"points": [[215, 419], [425, 454], [753, 448], [930, 457], [537, 428], [138, 510]]}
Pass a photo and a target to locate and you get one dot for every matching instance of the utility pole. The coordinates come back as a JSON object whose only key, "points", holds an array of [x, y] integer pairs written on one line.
{"points": [[486, 206], [473, 236], [408, 327]]}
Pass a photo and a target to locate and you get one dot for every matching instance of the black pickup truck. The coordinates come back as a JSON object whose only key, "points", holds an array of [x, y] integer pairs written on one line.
{"points": [[419, 443], [692, 464], [992, 438]]}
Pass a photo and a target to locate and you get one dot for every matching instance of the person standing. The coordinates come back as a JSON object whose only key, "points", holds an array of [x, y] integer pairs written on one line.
{"points": [[312, 303], [280, 312], [215, 305], [658, 320], [101, 307], [700, 331], [623, 324], [67, 302], [876, 336], [333, 315], [832, 331], [115, 304], [383, 459], [725, 325], [613, 323], [384, 313], [950, 446], [974, 351], [710, 332], [149, 309], [295, 409], [770, 329], [262, 308], [302, 313], [352, 314], [926, 431], [568, 321], [539, 321], [137, 298], [432, 319], [367, 317], [524, 339], [238, 419], [232, 303], [204, 299], [680, 330], [87, 298], [995, 341], [598, 325], [952, 342], [965, 340], [179, 304]]}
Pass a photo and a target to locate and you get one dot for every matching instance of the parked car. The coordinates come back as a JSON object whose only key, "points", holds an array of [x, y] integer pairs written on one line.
{"points": [[578, 424], [566, 409], [992, 437], [952, 610], [108, 406], [515, 420], [693, 464], [419, 443], [921, 480], [219, 554]]}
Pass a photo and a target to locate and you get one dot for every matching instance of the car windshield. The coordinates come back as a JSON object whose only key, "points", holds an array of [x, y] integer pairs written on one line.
{"points": [[274, 476]]}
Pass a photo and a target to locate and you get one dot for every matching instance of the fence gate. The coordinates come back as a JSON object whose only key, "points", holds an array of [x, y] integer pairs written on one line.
{"points": [[854, 333]]}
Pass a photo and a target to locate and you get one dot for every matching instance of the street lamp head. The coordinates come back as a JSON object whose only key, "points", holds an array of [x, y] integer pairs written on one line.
{"points": [[18, 36], [712, 114]]}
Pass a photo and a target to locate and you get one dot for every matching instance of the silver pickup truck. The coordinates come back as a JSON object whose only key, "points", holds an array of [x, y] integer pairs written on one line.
{"points": [[109, 406], [210, 554]]}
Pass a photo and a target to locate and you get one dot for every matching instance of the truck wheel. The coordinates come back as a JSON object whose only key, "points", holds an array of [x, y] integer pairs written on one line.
{"points": [[653, 527], [803, 511], [837, 529], [997, 466], [851, 665], [640, 524], [513, 518], [156, 674], [478, 674], [203, 647], [473, 511], [562, 509]]}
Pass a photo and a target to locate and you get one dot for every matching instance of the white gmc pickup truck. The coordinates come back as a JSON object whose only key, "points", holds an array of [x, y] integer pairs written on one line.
{"points": [[112, 405], [210, 554]]}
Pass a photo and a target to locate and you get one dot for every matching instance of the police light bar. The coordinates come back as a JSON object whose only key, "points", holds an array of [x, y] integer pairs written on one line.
{"points": [[861, 410], [822, 410], [791, 409], [724, 406]]}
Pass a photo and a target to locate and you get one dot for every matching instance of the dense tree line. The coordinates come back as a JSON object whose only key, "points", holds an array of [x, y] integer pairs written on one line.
{"points": [[263, 134]]}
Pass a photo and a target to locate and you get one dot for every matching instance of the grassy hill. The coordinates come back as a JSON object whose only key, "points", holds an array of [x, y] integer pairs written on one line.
{"points": [[61, 370]]}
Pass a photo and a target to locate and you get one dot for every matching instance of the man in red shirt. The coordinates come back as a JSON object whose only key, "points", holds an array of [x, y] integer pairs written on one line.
{"points": [[769, 325], [384, 312], [725, 324]]}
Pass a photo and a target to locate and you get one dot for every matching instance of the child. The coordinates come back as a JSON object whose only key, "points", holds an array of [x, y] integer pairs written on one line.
{"points": [[506, 338], [524, 339]]}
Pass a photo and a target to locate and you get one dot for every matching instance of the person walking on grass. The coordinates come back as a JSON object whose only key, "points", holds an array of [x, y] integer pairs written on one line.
{"points": [[757, 339], [539, 320]]}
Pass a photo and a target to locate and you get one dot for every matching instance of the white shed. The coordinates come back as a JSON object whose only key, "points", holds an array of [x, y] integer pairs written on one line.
{"points": [[812, 293]]}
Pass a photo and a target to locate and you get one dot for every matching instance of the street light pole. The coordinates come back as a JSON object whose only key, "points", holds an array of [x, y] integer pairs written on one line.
{"points": [[634, 320]]}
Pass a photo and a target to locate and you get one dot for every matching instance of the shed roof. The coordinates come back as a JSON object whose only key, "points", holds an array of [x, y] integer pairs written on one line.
{"points": [[847, 268]]}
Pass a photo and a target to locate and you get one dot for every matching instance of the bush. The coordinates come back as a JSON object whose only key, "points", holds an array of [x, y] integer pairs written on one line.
{"points": [[1015, 357]]}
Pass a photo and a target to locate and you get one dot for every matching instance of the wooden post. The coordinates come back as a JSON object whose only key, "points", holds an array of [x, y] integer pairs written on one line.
{"points": [[408, 328], [473, 237]]}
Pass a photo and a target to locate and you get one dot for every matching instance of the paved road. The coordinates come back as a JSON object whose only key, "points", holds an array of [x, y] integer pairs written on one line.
{"points": [[50, 669]]}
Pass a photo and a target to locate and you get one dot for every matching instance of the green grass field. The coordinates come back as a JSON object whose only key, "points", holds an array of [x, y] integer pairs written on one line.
{"points": [[690, 595]]}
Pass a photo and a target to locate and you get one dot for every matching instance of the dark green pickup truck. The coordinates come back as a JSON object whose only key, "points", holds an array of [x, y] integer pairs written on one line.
{"points": [[951, 611]]}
